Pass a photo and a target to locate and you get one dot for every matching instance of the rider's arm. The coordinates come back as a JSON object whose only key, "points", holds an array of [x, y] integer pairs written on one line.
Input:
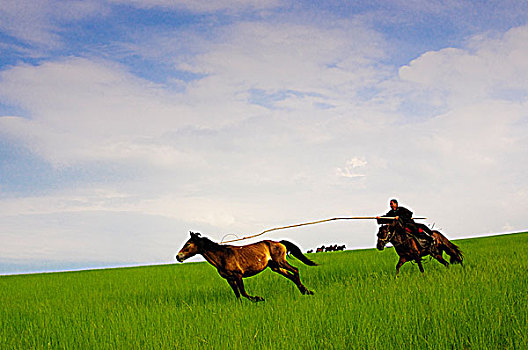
{"points": [[381, 220], [405, 215]]}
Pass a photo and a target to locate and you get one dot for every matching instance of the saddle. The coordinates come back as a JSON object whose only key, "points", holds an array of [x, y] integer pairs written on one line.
{"points": [[421, 240]]}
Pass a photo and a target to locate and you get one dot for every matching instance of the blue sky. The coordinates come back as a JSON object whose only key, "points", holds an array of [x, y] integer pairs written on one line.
{"points": [[125, 124]]}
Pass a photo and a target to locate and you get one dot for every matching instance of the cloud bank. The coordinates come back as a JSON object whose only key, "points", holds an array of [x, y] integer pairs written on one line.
{"points": [[261, 122]]}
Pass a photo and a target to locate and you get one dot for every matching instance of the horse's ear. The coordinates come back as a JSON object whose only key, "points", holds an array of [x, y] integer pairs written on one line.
{"points": [[194, 234]]}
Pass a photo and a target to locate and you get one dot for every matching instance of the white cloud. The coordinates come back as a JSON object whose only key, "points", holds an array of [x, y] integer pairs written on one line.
{"points": [[485, 97], [100, 111], [491, 67], [352, 168], [103, 112], [37, 22], [205, 6], [283, 56]]}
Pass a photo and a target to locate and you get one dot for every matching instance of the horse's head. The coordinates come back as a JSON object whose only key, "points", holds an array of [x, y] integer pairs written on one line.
{"points": [[385, 234], [190, 248]]}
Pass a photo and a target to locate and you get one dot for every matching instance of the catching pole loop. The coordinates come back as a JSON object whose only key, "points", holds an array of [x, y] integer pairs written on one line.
{"points": [[311, 223]]}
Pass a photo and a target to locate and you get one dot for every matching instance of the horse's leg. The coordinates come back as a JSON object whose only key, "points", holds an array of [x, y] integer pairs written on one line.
{"points": [[294, 276], [445, 245], [441, 259], [240, 285], [399, 264], [420, 266], [438, 251], [292, 273], [234, 286]]}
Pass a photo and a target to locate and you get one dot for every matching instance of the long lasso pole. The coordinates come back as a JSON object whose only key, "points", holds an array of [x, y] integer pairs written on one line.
{"points": [[312, 223]]}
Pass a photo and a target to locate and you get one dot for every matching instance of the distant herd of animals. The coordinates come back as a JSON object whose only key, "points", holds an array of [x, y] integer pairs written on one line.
{"points": [[331, 248], [237, 262]]}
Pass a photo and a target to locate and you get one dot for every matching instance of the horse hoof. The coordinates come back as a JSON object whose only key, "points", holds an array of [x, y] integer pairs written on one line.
{"points": [[308, 292], [256, 299]]}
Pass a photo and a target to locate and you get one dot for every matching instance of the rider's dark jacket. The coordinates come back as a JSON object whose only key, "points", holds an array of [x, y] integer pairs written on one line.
{"points": [[406, 219], [404, 214]]}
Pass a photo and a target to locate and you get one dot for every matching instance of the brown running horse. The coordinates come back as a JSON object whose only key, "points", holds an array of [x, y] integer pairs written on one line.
{"points": [[409, 249], [236, 262]]}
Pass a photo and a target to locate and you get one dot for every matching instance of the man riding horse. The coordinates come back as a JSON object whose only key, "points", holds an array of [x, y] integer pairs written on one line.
{"points": [[403, 216]]}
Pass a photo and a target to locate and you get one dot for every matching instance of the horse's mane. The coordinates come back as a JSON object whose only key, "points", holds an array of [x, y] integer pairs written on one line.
{"points": [[397, 229], [207, 244]]}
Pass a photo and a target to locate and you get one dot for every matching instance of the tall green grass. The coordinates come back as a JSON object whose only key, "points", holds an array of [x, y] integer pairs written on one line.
{"points": [[358, 304]]}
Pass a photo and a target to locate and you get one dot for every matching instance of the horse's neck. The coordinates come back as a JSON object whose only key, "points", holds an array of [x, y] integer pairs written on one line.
{"points": [[403, 243], [397, 238], [212, 252], [212, 257]]}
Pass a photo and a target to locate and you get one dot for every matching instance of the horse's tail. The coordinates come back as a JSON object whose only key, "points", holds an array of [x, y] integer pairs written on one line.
{"points": [[296, 252], [451, 249]]}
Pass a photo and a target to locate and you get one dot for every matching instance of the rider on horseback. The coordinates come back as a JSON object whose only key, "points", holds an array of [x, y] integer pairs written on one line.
{"points": [[404, 217]]}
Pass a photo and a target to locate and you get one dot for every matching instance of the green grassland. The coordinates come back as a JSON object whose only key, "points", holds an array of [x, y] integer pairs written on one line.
{"points": [[358, 304]]}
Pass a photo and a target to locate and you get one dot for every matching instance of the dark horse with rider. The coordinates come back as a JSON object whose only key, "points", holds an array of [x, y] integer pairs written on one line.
{"points": [[413, 241]]}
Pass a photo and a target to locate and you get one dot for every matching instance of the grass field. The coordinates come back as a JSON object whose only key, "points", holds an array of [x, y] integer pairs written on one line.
{"points": [[358, 304]]}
